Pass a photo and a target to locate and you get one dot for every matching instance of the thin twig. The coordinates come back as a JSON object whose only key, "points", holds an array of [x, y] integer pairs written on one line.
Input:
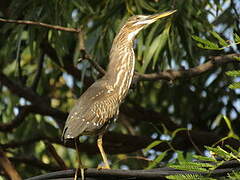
{"points": [[23, 112], [34, 162], [8, 167], [193, 143], [39, 72], [56, 27], [86, 56], [55, 155]]}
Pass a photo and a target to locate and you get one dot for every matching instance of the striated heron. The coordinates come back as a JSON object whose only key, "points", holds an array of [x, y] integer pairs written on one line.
{"points": [[99, 104]]}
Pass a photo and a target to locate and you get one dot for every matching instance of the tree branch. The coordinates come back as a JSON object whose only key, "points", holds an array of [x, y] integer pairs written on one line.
{"points": [[32, 161], [157, 173], [8, 167], [55, 155], [171, 75], [92, 62], [23, 112], [39, 104], [115, 143], [38, 73], [68, 67], [21, 91], [60, 28]]}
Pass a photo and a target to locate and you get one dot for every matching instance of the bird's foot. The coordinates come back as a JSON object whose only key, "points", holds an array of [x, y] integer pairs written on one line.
{"points": [[100, 167], [82, 173]]}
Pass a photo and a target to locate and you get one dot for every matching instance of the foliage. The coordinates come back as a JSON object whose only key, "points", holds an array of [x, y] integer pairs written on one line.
{"points": [[42, 78], [205, 165]]}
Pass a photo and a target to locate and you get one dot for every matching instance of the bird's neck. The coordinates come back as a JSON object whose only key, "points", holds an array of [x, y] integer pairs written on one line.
{"points": [[121, 66]]}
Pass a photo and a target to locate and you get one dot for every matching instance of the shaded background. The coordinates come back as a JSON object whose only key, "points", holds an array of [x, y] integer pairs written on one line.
{"points": [[41, 78]]}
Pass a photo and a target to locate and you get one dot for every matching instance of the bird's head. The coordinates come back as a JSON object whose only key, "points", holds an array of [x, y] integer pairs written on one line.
{"points": [[136, 23]]}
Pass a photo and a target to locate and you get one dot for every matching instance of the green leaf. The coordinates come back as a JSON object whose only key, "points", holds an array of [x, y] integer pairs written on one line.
{"points": [[233, 73], [157, 160], [203, 41], [237, 58], [219, 38], [205, 44], [163, 39], [228, 122], [178, 130], [193, 166], [220, 152], [204, 158], [145, 5], [188, 177], [150, 146], [236, 38], [180, 157], [233, 150], [235, 85], [155, 48], [140, 49]]}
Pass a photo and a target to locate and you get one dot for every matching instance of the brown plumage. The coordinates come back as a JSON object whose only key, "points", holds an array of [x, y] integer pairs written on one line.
{"points": [[99, 104]]}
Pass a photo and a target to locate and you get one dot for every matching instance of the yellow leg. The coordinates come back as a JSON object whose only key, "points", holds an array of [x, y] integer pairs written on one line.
{"points": [[80, 166], [100, 147]]}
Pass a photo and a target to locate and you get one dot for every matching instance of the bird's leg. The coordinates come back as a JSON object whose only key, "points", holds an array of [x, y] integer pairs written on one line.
{"points": [[100, 147], [80, 166]]}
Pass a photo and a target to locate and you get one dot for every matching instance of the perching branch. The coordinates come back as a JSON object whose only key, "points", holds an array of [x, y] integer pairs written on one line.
{"points": [[60, 28], [158, 173]]}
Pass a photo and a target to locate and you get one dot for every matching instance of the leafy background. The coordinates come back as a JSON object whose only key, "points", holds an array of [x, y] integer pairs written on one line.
{"points": [[45, 62]]}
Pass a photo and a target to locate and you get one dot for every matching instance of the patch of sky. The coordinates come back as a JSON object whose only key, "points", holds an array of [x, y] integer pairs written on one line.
{"points": [[154, 135], [24, 102], [69, 80], [15, 111], [204, 94], [152, 154], [225, 100], [233, 114], [192, 88], [207, 153], [165, 137], [171, 109], [124, 167], [202, 60], [83, 138], [214, 13], [51, 121], [211, 78], [223, 111], [185, 64], [189, 126], [75, 15]]}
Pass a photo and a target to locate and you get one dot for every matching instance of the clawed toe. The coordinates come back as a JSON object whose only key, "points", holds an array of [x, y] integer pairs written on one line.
{"points": [[100, 167]]}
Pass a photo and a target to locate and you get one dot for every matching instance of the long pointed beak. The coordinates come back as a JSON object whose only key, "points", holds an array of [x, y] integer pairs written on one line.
{"points": [[152, 18], [160, 15]]}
